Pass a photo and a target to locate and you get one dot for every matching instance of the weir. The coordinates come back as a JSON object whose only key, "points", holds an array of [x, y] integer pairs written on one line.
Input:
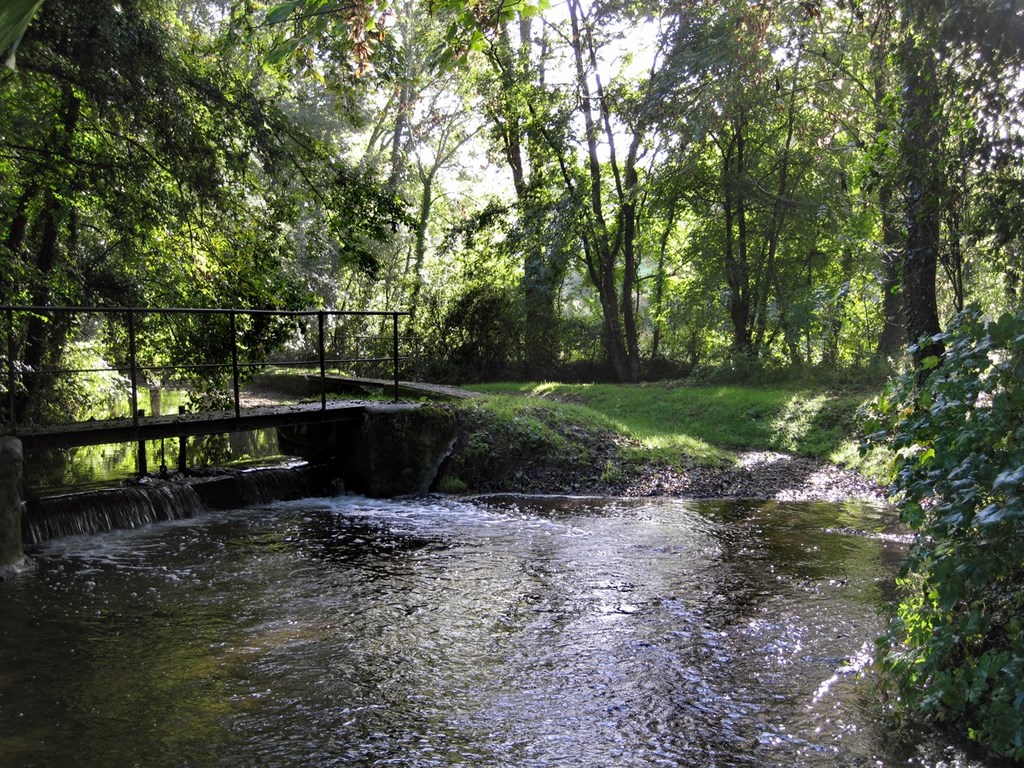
{"points": [[390, 450], [370, 448], [154, 501]]}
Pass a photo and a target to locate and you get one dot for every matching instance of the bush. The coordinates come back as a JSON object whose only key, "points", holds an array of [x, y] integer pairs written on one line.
{"points": [[954, 650], [476, 336]]}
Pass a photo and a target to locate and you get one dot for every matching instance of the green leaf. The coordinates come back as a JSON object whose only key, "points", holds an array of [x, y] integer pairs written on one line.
{"points": [[990, 515], [15, 16], [282, 50], [1009, 480], [280, 13], [931, 362]]}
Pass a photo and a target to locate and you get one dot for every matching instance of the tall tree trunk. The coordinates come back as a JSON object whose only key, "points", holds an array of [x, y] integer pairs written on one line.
{"points": [[659, 279], [737, 268], [630, 266], [542, 274], [919, 152], [420, 245], [778, 220], [600, 253], [894, 331], [39, 335], [830, 351]]}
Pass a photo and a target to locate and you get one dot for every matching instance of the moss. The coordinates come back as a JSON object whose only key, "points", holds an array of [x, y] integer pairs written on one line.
{"points": [[521, 444]]}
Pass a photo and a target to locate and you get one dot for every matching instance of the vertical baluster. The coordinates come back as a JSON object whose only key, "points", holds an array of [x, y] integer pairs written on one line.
{"points": [[182, 446], [322, 316], [394, 361], [133, 367], [234, 364]]}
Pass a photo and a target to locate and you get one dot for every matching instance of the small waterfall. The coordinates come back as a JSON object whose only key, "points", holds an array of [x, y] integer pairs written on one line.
{"points": [[260, 485], [73, 514]]}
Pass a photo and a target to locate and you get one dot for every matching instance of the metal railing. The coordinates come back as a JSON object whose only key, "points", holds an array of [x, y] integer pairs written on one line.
{"points": [[320, 351]]}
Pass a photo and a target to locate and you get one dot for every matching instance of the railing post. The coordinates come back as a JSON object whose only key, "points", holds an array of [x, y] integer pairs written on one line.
{"points": [[142, 465], [234, 363], [182, 446], [394, 361], [12, 415], [321, 317], [134, 368]]}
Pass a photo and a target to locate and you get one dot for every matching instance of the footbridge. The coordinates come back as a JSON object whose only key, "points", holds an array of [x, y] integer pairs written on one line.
{"points": [[308, 374], [139, 352]]}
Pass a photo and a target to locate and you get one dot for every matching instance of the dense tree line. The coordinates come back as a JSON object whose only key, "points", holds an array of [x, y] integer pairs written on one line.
{"points": [[616, 188]]}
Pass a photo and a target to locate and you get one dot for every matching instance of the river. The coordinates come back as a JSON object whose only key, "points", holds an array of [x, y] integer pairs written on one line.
{"points": [[500, 631]]}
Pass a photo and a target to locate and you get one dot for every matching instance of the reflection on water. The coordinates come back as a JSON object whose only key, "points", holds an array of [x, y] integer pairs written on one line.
{"points": [[91, 466], [505, 631]]}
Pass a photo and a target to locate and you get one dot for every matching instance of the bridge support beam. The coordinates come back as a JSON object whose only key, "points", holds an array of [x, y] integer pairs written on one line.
{"points": [[12, 555]]}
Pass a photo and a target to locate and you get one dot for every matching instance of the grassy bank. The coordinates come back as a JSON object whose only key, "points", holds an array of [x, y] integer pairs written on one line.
{"points": [[708, 423], [601, 435]]}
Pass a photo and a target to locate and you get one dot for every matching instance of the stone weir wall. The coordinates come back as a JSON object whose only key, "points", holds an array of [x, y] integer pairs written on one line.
{"points": [[394, 450]]}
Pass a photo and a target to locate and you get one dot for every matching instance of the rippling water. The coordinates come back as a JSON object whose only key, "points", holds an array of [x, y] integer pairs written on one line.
{"points": [[502, 631]]}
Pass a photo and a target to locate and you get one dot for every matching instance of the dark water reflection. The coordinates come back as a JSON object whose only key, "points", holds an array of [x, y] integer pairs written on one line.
{"points": [[505, 631]]}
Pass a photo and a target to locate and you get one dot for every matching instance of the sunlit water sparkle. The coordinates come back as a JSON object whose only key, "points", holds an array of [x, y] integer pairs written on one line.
{"points": [[501, 631]]}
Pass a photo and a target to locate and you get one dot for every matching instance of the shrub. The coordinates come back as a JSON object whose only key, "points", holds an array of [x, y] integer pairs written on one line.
{"points": [[954, 651]]}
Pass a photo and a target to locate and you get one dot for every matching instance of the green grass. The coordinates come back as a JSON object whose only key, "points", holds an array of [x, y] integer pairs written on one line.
{"points": [[510, 442], [707, 424]]}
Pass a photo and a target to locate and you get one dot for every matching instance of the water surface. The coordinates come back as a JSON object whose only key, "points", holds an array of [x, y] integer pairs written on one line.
{"points": [[503, 631]]}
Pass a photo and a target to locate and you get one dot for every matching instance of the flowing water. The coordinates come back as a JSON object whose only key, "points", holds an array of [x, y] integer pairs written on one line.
{"points": [[501, 631]]}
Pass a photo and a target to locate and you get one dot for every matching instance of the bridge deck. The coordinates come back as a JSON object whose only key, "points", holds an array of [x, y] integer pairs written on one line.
{"points": [[188, 424]]}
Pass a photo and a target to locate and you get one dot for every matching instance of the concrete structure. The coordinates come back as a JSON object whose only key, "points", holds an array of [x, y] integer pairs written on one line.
{"points": [[394, 450], [12, 555]]}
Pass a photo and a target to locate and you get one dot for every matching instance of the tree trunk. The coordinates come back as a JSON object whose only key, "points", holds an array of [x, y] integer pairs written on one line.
{"points": [[542, 273], [830, 351], [778, 220], [601, 254], [39, 335], [628, 215], [920, 145], [737, 268], [659, 280]]}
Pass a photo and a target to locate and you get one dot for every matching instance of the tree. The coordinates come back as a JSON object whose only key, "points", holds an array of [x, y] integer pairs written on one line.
{"points": [[526, 122], [921, 135], [111, 174]]}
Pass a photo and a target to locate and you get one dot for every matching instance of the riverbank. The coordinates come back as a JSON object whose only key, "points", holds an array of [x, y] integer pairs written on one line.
{"points": [[547, 445]]}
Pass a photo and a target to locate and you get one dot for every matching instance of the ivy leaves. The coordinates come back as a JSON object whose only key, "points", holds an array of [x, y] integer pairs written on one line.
{"points": [[955, 649]]}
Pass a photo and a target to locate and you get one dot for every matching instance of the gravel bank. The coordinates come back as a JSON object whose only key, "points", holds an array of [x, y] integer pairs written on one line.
{"points": [[760, 475]]}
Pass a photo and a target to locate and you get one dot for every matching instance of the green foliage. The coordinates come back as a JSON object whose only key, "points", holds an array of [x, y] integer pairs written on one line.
{"points": [[354, 31], [15, 16], [701, 424], [147, 164], [955, 650], [470, 323]]}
